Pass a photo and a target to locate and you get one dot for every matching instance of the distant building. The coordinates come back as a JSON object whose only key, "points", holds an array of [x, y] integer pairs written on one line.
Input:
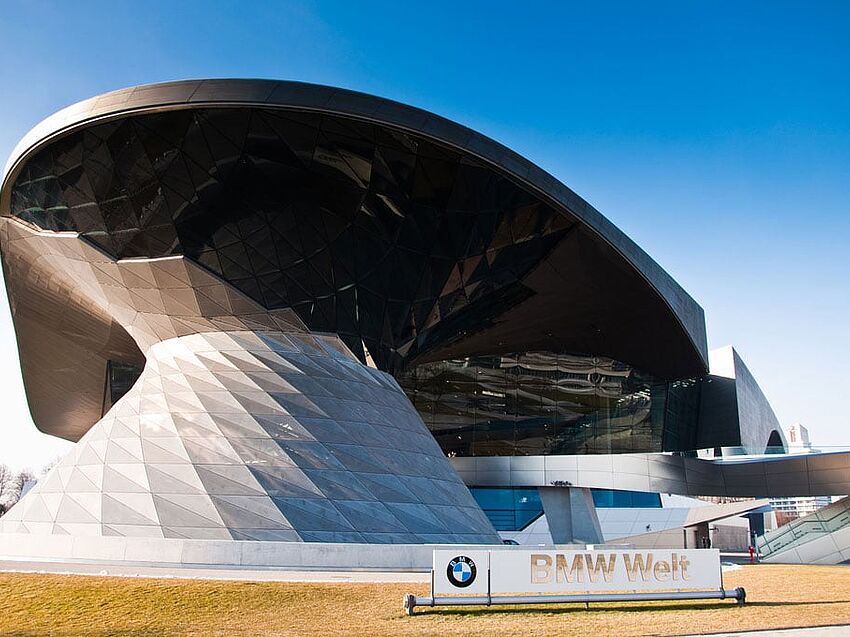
{"points": [[788, 509], [798, 438]]}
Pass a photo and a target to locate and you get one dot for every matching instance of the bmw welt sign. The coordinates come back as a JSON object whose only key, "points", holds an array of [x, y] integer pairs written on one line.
{"points": [[482, 572]]}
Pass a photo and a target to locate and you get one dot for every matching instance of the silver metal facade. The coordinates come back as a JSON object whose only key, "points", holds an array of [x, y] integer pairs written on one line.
{"points": [[262, 435], [796, 475]]}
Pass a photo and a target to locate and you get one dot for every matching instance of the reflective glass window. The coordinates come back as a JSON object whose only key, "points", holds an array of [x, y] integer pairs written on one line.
{"points": [[537, 403], [616, 499], [390, 240], [509, 509]]}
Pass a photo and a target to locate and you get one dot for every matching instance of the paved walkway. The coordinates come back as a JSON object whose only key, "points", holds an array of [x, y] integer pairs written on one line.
{"points": [[826, 631], [258, 575]]}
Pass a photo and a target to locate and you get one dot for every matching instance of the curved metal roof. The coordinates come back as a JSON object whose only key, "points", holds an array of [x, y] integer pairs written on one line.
{"points": [[310, 97], [64, 380]]}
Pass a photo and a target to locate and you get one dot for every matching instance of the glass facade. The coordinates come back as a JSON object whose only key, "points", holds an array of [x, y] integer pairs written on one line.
{"points": [[384, 237], [613, 499], [406, 249], [509, 509], [514, 508], [542, 403], [120, 378]]}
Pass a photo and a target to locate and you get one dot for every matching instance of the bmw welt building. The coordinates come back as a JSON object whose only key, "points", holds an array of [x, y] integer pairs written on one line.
{"points": [[274, 314]]}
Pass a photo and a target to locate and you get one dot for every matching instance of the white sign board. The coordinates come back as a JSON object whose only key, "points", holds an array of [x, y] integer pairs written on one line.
{"points": [[574, 571]]}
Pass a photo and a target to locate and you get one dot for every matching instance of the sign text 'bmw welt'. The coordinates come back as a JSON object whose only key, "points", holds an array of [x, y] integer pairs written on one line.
{"points": [[574, 571]]}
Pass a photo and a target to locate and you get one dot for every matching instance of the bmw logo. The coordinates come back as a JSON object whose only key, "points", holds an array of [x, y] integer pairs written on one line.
{"points": [[461, 571]]}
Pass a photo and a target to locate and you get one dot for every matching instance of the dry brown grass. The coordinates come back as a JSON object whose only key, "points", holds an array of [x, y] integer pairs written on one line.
{"points": [[63, 605]]}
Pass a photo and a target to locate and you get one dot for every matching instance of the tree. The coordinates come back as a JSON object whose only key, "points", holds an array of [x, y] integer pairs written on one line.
{"points": [[21, 481], [7, 484], [11, 486]]}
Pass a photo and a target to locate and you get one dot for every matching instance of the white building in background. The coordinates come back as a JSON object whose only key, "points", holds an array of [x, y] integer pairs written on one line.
{"points": [[798, 438], [792, 508], [787, 509]]}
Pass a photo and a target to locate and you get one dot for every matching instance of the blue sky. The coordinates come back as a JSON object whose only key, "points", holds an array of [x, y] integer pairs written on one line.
{"points": [[717, 135]]}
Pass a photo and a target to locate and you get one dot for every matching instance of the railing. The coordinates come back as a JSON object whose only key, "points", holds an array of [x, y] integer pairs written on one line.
{"points": [[826, 520], [732, 454]]}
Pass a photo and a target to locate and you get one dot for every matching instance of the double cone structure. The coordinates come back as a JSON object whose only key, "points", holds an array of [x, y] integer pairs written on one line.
{"points": [[257, 436]]}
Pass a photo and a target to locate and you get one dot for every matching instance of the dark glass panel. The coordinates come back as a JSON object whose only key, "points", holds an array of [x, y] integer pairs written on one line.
{"points": [[681, 415], [538, 403], [400, 242], [383, 236], [614, 499], [509, 509], [514, 508], [120, 377]]}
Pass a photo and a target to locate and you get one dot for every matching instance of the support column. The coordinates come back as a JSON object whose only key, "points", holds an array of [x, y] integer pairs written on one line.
{"points": [[571, 515]]}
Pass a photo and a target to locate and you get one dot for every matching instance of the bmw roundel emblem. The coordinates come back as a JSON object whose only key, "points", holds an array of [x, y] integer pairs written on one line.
{"points": [[461, 571]]}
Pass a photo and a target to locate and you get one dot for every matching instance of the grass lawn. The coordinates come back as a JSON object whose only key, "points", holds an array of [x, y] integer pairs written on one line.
{"points": [[33, 604]]}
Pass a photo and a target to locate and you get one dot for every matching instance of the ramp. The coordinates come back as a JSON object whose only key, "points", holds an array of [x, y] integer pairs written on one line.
{"points": [[820, 538]]}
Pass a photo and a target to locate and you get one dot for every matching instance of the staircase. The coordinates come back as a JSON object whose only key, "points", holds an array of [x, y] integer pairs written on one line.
{"points": [[820, 538]]}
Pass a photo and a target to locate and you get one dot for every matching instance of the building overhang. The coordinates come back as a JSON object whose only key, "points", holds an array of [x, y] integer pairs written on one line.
{"points": [[765, 477], [679, 352]]}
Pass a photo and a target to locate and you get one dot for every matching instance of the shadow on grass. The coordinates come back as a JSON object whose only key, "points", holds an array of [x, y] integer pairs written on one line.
{"points": [[600, 607]]}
